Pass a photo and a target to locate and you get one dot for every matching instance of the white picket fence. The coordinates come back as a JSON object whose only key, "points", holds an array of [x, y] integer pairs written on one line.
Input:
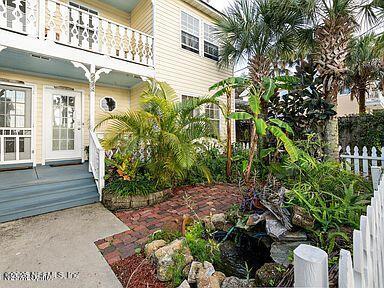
{"points": [[366, 268], [360, 161]]}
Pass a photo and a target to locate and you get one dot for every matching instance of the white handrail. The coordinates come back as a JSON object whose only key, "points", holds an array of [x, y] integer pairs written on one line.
{"points": [[97, 162]]}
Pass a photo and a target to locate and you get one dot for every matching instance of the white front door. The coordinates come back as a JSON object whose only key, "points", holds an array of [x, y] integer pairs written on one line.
{"points": [[63, 125]]}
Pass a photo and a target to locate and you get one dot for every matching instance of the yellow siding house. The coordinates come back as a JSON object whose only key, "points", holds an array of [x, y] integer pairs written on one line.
{"points": [[66, 64]]}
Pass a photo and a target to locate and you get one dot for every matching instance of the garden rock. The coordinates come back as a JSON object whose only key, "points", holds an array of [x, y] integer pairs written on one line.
{"points": [[274, 227], [255, 219], [208, 278], [302, 218], [232, 260], [281, 251], [220, 276], [219, 221], [185, 284], [208, 223], [294, 236], [193, 271], [234, 282], [164, 258], [270, 274], [152, 247]]}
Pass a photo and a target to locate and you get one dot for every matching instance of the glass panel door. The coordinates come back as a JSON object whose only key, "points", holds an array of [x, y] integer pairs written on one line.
{"points": [[63, 124], [15, 124]]}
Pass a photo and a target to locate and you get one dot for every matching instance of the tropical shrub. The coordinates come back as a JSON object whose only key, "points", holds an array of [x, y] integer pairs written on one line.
{"points": [[263, 127], [362, 130], [163, 136], [336, 198], [301, 104], [202, 247]]}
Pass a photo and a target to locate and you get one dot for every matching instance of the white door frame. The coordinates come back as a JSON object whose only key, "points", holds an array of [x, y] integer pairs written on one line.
{"points": [[33, 119], [44, 122]]}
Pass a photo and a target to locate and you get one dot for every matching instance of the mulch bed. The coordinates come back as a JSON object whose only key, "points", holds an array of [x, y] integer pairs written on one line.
{"points": [[137, 272]]}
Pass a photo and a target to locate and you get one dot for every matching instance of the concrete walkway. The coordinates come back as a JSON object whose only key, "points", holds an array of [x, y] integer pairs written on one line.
{"points": [[63, 242]]}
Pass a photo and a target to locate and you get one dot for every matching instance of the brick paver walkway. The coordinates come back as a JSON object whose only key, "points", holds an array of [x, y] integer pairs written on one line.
{"points": [[144, 222]]}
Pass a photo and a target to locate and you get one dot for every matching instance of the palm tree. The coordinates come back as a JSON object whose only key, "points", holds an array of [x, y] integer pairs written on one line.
{"points": [[365, 66], [334, 23], [266, 33], [164, 130]]}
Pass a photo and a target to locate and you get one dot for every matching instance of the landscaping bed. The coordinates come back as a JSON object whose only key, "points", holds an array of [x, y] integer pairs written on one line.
{"points": [[115, 202], [138, 272]]}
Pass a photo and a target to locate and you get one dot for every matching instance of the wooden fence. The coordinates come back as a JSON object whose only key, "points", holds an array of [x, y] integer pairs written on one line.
{"points": [[360, 161], [366, 268]]}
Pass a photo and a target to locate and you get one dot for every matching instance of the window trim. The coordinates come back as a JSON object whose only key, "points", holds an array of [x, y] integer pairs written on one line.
{"points": [[101, 106]]}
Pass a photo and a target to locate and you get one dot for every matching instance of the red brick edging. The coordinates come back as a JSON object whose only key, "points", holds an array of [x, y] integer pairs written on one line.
{"points": [[144, 222]]}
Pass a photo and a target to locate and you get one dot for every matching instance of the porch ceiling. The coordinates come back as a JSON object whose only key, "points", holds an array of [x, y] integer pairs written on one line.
{"points": [[58, 68], [125, 5]]}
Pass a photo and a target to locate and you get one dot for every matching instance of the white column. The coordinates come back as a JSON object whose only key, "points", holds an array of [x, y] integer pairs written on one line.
{"points": [[93, 75], [41, 19]]}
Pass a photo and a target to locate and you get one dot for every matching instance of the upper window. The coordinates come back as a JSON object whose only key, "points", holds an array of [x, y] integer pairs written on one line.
{"points": [[190, 33], [108, 104], [211, 49]]}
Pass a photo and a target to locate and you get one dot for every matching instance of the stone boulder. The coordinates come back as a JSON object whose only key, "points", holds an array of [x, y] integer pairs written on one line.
{"points": [[215, 222], [204, 276], [234, 282], [274, 227], [193, 271], [281, 251], [270, 274], [185, 284], [219, 221], [294, 236], [301, 218], [207, 277], [164, 258], [255, 219], [153, 246]]}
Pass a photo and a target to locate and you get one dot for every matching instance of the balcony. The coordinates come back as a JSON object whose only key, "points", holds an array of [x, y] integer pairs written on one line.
{"points": [[375, 100], [71, 27]]}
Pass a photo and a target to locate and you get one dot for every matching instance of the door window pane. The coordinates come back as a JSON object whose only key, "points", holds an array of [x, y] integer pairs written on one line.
{"points": [[63, 133]]}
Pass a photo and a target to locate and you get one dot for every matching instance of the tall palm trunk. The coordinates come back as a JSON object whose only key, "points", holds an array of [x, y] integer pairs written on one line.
{"points": [[361, 100], [332, 39], [331, 134]]}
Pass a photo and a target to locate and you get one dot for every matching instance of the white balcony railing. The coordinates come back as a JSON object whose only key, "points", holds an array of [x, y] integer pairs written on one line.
{"points": [[375, 98], [64, 24]]}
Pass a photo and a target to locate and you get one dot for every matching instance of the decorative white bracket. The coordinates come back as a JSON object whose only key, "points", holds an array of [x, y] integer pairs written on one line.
{"points": [[2, 48], [93, 76]]}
